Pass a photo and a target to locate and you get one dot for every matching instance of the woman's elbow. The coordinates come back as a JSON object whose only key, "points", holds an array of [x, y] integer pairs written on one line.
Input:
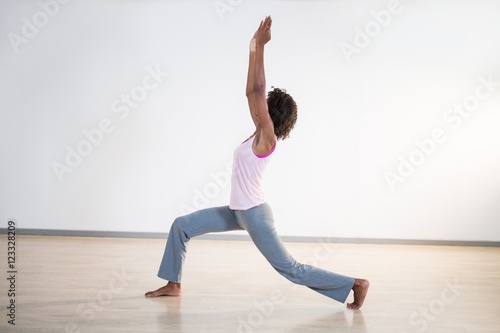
{"points": [[259, 89]]}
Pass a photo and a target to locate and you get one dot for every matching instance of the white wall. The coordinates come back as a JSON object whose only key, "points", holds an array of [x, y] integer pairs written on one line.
{"points": [[359, 113]]}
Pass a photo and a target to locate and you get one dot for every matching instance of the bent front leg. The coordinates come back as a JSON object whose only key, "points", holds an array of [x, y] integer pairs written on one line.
{"points": [[184, 228]]}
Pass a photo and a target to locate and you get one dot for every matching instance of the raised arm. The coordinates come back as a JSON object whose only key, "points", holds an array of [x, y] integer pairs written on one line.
{"points": [[250, 83], [256, 89]]}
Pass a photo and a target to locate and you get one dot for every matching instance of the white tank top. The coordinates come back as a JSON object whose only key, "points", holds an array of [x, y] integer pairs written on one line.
{"points": [[248, 171]]}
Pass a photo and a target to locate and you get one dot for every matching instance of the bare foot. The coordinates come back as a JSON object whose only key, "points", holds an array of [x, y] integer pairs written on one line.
{"points": [[360, 289], [170, 289]]}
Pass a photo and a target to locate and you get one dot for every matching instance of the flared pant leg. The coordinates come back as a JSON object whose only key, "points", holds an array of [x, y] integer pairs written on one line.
{"points": [[259, 223], [184, 228]]}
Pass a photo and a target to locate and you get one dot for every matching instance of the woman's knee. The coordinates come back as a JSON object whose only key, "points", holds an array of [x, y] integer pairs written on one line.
{"points": [[178, 224]]}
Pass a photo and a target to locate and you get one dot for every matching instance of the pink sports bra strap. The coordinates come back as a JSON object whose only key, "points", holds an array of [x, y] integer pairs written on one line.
{"points": [[266, 155]]}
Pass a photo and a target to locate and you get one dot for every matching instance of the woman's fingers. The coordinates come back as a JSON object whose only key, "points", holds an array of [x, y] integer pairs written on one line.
{"points": [[266, 23], [269, 20]]}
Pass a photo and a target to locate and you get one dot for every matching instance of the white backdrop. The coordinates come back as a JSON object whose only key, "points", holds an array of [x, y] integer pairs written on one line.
{"points": [[122, 115]]}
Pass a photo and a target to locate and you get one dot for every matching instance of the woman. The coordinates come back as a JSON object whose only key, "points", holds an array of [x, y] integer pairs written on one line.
{"points": [[274, 118]]}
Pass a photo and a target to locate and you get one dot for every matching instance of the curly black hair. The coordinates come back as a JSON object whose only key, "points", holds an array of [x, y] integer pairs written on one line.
{"points": [[283, 112]]}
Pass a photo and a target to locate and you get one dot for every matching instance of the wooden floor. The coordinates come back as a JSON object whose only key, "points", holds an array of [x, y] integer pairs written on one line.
{"points": [[70, 284]]}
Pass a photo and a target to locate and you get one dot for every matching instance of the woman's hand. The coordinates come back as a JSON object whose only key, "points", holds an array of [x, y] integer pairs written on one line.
{"points": [[263, 34]]}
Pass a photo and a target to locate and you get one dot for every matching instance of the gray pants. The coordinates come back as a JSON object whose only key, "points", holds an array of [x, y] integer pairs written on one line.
{"points": [[259, 223]]}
